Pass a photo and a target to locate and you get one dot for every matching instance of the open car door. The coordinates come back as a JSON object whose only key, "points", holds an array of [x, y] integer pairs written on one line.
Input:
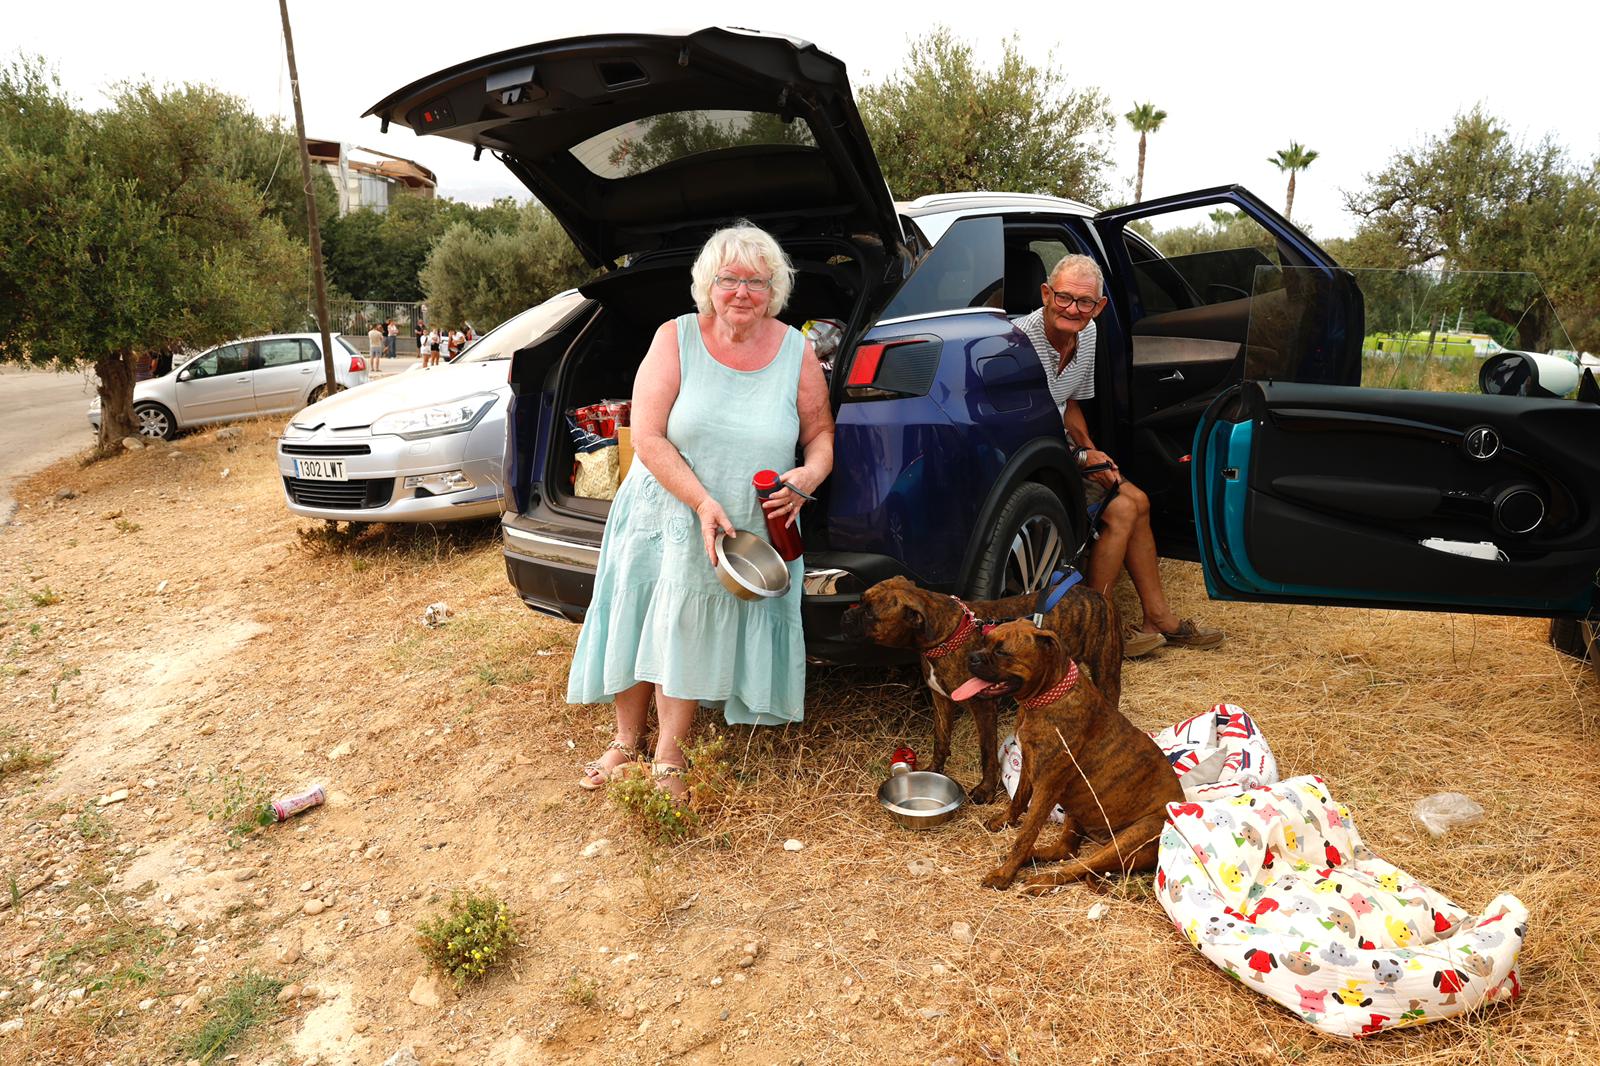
{"points": [[1419, 497], [1201, 274]]}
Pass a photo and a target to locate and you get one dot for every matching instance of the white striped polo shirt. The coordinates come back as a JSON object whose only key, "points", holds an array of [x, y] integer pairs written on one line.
{"points": [[1076, 380]]}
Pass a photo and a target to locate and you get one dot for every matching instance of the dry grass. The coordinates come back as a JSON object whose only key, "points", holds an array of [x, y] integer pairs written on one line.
{"points": [[465, 757]]}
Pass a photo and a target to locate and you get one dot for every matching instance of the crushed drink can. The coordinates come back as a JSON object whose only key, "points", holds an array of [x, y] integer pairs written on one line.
{"points": [[903, 761], [286, 807]]}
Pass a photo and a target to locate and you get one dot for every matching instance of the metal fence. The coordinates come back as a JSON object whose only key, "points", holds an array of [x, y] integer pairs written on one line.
{"points": [[354, 318]]}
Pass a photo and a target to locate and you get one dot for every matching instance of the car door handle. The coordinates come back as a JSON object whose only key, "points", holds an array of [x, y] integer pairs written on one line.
{"points": [[1176, 375], [307, 370]]}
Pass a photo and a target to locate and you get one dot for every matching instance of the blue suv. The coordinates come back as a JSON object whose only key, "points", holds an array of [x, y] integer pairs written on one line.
{"points": [[951, 466]]}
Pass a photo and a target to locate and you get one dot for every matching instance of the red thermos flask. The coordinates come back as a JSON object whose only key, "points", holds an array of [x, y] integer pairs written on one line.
{"points": [[785, 538]]}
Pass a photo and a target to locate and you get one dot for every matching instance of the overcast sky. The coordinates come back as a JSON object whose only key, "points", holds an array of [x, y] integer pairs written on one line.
{"points": [[1355, 81]]}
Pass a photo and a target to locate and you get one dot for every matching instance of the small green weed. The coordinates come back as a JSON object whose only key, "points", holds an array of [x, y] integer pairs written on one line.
{"points": [[247, 1001], [16, 893], [91, 824], [17, 756], [242, 806], [44, 597], [662, 818], [580, 990], [125, 526], [469, 939]]}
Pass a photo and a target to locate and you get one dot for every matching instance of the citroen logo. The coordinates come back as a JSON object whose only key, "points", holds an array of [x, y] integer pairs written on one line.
{"points": [[1481, 442]]}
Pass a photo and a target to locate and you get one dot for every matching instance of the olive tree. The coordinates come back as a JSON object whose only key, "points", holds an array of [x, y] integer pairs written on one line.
{"points": [[943, 123], [485, 278], [131, 232]]}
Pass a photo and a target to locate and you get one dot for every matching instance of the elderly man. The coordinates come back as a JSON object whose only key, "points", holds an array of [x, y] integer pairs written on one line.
{"points": [[1063, 333]]}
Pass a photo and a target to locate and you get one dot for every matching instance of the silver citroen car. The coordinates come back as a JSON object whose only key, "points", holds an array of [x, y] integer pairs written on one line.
{"points": [[423, 446]]}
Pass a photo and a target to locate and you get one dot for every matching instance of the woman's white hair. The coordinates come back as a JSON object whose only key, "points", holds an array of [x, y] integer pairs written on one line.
{"points": [[747, 244]]}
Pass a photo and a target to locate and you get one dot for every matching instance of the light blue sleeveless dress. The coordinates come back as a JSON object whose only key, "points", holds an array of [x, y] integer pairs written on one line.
{"points": [[658, 612]]}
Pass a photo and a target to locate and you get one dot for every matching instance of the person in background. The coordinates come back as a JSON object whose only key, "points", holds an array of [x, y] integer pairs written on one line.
{"points": [[458, 341], [431, 352], [391, 339], [375, 343], [723, 392], [1063, 335], [472, 334], [421, 331]]}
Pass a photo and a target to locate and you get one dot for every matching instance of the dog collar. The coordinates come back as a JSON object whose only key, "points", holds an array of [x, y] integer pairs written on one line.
{"points": [[957, 640], [1055, 691]]}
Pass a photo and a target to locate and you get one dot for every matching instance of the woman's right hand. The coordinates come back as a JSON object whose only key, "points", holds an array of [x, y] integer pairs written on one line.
{"points": [[712, 518]]}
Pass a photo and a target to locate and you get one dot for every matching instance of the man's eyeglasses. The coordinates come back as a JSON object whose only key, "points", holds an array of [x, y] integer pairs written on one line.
{"points": [[729, 283], [1064, 300]]}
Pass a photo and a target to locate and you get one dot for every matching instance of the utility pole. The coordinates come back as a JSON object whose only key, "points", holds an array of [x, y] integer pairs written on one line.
{"points": [[331, 384]]}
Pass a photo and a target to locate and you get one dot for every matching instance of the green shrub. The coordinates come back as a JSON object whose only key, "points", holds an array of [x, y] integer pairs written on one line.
{"points": [[467, 941]]}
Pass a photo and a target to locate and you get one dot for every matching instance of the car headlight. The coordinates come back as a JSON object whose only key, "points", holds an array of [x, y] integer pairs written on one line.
{"points": [[435, 419]]}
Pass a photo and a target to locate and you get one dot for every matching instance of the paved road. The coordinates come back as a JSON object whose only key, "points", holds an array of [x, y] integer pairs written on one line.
{"points": [[42, 419]]}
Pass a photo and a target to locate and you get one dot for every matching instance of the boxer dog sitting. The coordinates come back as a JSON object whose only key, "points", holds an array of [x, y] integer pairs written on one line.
{"points": [[897, 614], [1078, 751]]}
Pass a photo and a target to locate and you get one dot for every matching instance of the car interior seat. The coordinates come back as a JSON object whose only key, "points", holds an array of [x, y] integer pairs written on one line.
{"points": [[1024, 275]]}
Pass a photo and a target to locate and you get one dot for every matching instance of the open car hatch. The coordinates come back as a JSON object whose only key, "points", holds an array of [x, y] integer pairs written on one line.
{"points": [[636, 142]]}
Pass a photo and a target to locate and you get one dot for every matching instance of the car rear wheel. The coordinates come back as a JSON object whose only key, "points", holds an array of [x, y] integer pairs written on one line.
{"points": [[1029, 541], [154, 421], [322, 390]]}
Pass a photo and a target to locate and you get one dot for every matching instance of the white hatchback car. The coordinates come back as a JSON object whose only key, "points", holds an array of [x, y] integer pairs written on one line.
{"points": [[423, 446], [241, 379]]}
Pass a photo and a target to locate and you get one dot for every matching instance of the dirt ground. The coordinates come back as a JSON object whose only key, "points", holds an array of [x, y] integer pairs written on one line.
{"points": [[176, 642]]}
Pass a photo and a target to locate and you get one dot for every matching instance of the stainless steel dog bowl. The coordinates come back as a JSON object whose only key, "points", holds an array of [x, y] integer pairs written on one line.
{"points": [[749, 567], [921, 799]]}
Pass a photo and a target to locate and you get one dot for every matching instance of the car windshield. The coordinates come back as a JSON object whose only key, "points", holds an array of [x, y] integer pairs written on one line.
{"points": [[523, 330], [650, 142]]}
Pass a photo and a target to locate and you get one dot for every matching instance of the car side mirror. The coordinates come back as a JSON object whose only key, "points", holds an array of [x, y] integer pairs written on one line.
{"points": [[185, 375], [1527, 374]]}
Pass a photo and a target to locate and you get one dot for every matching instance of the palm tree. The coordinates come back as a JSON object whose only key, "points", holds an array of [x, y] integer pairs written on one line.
{"points": [[1146, 119], [1295, 157]]}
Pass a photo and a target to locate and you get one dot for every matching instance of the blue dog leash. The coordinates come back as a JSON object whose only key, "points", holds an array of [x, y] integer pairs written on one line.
{"points": [[1064, 579]]}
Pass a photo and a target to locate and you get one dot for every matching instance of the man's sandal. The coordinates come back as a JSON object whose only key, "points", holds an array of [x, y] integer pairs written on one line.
{"points": [[596, 774]]}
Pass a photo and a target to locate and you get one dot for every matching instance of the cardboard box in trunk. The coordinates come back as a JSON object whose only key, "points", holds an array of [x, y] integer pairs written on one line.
{"points": [[624, 450]]}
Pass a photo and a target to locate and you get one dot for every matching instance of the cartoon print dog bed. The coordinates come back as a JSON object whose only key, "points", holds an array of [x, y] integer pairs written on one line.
{"points": [[1275, 887], [1218, 753]]}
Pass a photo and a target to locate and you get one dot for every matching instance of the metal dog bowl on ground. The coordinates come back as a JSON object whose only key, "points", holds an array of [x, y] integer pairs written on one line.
{"points": [[921, 799], [749, 567]]}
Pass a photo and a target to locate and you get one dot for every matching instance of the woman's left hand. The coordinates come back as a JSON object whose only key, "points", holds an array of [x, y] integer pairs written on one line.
{"points": [[786, 504]]}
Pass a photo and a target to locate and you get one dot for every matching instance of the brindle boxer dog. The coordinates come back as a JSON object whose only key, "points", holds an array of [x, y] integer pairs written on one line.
{"points": [[1078, 751], [897, 614]]}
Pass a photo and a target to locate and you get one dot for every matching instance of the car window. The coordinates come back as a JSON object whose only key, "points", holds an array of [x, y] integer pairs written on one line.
{"points": [[228, 359], [280, 351], [340, 341], [1199, 257], [523, 330], [647, 143], [1424, 330], [965, 269]]}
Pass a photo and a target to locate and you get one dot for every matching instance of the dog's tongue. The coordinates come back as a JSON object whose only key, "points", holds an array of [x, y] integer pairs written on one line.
{"points": [[971, 688]]}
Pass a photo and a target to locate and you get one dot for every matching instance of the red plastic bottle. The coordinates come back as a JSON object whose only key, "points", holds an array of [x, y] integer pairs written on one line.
{"points": [[785, 538]]}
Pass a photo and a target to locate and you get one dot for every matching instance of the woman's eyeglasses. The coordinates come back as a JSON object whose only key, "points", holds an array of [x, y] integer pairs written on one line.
{"points": [[728, 283]]}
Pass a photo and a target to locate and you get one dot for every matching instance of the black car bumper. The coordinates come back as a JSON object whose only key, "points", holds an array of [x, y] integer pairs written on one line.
{"points": [[553, 572]]}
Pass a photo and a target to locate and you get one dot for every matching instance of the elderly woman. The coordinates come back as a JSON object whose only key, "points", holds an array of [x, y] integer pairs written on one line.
{"points": [[722, 393]]}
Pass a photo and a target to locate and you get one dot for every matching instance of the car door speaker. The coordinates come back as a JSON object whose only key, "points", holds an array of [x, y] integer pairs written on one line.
{"points": [[1518, 510]]}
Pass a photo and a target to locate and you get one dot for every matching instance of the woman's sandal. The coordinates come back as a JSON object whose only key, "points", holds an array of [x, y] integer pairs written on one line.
{"points": [[596, 775], [663, 772]]}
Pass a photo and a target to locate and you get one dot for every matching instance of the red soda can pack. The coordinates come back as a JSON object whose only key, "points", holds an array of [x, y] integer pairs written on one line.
{"points": [[904, 760]]}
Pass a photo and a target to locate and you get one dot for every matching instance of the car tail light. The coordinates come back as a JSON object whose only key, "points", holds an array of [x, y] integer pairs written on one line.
{"points": [[891, 370], [357, 364]]}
